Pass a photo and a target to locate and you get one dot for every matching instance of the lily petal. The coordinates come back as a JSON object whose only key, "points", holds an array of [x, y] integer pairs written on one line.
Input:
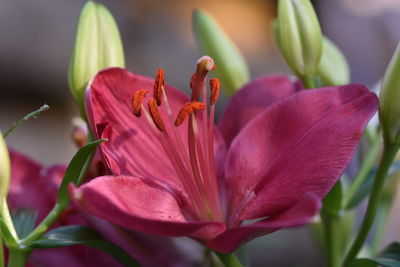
{"points": [[140, 205], [33, 186], [150, 250], [301, 144], [132, 147], [299, 214], [252, 99]]}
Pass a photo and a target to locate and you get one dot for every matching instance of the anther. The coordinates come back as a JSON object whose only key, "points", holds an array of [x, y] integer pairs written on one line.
{"points": [[158, 86], [214, 87], [137, 100], [155, 114], [187, 109]]}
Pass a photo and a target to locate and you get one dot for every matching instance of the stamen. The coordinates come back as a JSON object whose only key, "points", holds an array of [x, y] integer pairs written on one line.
{"points": [[187, 109], [204, 65], [158, 85], [137, 100], [214, 87], [155, 114]]}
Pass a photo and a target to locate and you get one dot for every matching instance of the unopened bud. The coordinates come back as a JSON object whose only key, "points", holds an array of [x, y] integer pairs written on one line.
{"points": [[333, 68], [232, 68], [389, 99], [97, 46], [80, 132], [299, 35], [4, 170]]}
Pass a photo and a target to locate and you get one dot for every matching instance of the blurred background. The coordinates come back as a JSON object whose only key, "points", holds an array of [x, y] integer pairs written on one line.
{"points": [[37, 39]]}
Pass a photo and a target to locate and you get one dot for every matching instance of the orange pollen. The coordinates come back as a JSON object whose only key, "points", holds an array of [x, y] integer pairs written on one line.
{"points": [[187, 109], [137, 100], [155, 114], [158, 86], [214, 87]]}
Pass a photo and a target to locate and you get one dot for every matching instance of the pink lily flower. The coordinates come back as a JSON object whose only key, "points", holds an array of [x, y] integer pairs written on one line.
{"points": [[277, 151], [35, 187]]}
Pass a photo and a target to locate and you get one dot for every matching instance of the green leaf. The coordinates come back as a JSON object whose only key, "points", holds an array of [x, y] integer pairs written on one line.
{"points": [[366, 187], [81, 235], [332, 203], [24, 221], [389, 257], [76, 170], [362, 263], [7, 236]]}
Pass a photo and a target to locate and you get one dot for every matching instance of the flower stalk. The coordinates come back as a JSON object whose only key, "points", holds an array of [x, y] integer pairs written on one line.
{"points": [[332, 239], [389, 153], [366, 166], [230, 260]]}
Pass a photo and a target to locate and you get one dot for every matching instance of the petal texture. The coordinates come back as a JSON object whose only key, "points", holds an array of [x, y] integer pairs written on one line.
{"points": [[252, 99], [299, 214], [298, 145], [132, 147], [141, 205]]}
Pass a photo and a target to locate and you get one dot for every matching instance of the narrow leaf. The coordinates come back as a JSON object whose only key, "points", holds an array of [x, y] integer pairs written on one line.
{"points": [[24, 221], [389, 257], [76, 170], [81, 235], [24, 119]]}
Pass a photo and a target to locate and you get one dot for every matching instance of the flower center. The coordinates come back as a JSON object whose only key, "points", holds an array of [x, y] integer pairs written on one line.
{"points": [[192, 159]]}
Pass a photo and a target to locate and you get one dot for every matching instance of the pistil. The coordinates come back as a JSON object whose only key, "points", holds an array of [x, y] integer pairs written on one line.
{"points": [[195, 163]]}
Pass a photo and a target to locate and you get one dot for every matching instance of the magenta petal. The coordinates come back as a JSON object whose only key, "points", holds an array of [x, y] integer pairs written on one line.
{"points": [[301, 144], [132, 147], [252, 99], [139, 205], [299, 214], [32, 185], [150, 250]]}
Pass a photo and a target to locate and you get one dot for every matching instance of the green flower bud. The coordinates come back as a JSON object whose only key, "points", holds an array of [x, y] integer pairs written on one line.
{"points": [[333, 68], [232, 68], [300, 37], [97, 46], [4, 169], [389, 99]]}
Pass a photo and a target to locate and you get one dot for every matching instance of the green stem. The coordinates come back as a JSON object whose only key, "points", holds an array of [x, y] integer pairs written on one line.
{"points": [[57, 209], [332, 240], [17, 258], [44, 225], [362, 175], [24, 119], [5, 215], [308, 81], [1, 253], [389, 153], [229, 260], [382, 216]]}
